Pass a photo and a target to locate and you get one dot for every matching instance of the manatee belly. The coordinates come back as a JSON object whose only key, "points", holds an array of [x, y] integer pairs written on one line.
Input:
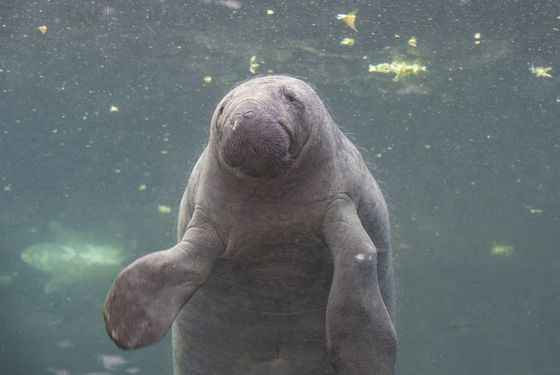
{"points": [[260, 314], [225, 341]]}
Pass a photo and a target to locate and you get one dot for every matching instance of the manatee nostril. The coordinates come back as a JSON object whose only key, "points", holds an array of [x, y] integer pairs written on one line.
{"points": [[234, 121]]}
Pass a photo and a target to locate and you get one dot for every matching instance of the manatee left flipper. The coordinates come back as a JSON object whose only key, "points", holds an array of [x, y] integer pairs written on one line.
{"points": [[361, 338], [149, 293]]}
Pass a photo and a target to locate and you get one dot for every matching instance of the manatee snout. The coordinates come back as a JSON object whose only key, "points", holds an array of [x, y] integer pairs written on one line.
{"points": [[255, 140]]}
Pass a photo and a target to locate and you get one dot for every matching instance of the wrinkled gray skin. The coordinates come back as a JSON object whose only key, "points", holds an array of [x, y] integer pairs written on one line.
{"points": [[283, 263]]}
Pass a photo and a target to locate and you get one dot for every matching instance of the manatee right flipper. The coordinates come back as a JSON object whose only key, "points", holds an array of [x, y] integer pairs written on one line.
{"points": [[148, 294]]}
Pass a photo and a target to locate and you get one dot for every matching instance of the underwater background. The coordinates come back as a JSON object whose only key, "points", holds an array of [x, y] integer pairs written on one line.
{"points": [[105, 107]]}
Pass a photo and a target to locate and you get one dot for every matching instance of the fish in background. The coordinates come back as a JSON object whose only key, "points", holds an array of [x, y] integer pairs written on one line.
{"points": [[70, 257]]}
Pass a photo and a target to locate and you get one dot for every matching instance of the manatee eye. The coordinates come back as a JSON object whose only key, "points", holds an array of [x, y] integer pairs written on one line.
{"points": [[289, 97]]}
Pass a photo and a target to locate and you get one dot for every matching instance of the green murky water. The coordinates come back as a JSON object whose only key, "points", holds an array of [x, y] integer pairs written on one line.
{"points": [[105, 106]]}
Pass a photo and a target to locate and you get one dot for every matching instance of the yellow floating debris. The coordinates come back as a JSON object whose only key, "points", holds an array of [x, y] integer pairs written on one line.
{"points": [[541, 71], [142, 187], [162, 209], [501, 250], [269, 12], [349, 19], [114, 109], [207, 80], [381, 68], [477, 37], [253, 65], [348, 42], [43, 29], [400, 69], [412, 42]]}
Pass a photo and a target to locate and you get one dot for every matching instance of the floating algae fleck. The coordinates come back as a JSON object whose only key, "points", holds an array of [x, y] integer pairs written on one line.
{"points": [[399, 68], [541, 71], [501, 250], [349, 19]]}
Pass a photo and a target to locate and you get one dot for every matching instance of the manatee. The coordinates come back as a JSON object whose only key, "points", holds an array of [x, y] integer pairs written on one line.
{"points": [[283, 261]]}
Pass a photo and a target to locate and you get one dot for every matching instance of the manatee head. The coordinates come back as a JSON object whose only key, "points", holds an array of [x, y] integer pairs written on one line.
{"points": [[260, 127]]}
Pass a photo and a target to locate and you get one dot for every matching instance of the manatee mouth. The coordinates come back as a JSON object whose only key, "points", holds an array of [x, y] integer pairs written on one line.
{"points": [[255, 142]]}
